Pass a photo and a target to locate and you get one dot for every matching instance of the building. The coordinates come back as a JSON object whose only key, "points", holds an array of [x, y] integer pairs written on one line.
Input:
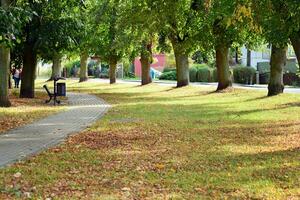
{"points": [[159, 63]]}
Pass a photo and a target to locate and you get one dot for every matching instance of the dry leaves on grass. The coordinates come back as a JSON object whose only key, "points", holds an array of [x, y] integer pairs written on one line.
{"points": [[110, 139]]}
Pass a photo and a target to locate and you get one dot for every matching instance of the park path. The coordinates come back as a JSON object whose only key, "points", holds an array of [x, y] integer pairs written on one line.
{"points": [[19, 143]]}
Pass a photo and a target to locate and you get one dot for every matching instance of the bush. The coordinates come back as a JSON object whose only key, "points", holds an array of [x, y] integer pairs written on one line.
{"points": [[204, 74], [171, 75], [244, 75], [198, 66], [215, 75], [291, 67], [169, 69], [193, 74]]}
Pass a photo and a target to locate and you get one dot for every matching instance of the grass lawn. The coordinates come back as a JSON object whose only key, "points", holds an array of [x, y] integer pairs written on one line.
{"points": [[24, 111], [158, 142]]}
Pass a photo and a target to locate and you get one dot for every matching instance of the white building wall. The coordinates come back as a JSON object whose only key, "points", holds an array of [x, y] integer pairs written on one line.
{"points": [[256, 57]]}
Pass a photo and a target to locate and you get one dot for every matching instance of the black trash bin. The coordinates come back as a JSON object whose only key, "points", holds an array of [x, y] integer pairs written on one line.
{"points": [[61, 89]]}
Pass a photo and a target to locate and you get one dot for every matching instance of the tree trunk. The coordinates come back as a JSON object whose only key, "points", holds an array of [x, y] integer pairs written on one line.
{"points": [[4, 74], [146, 59], [28, 73], [56, 66], [248, 58], [4, 67], [278, 61], [83, 66], [112, 71], [223, 72], [182, 66], [296, 45]]}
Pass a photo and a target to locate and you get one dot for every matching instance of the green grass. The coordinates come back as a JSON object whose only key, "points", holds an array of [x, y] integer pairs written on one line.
{"points": [[158, 142]]}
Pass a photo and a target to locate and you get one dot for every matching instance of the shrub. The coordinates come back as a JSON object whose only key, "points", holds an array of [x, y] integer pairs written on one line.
{"points": [[169, 69], [198, 66], [215, 75], [171, 75], [244, 75], [193, 74], [291, 79], [263, 67], [291, 67], [204, 74]]}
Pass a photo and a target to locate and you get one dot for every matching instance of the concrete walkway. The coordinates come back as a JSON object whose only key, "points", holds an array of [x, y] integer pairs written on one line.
{"points": [[30, 139]]}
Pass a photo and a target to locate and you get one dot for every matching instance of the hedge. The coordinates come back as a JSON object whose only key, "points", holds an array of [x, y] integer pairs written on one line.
{"points": [[244, 75], [171, 75]]}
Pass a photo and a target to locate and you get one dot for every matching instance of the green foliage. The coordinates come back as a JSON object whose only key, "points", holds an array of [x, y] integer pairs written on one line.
{"points": [[200, 73], [171, 75], [204, 74], [263, 67], [12, 20], [169, 69], [244, 75], [193, 74], [72, 67], [291, 67], [278, 20]]}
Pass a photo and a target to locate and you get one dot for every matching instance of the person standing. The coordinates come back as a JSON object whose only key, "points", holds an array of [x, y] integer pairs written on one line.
{"points": [[17, 77]]}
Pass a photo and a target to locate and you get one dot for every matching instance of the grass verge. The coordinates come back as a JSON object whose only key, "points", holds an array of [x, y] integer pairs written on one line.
{"points": [[159, 142]]}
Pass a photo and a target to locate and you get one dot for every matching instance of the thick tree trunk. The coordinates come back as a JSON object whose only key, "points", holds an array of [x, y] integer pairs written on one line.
{"points": [[278, 61], [4, 67], [4, 75], [56, 66], [248, 58], [182, 69], [296, 45], [112, 71], [146, 59], [83, 66], [223, 72], [182, 66], [29, 70]]}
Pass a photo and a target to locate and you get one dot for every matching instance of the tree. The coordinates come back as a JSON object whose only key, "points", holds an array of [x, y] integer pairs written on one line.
{"points": [[143, 28], [10, 26], [178, 23], [4, 64], [229, 22], [57, 32], [47, 34], [109, 40], [276, 31]]}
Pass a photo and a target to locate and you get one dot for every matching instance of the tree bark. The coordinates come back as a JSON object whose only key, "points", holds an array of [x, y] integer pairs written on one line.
{"points": [[83, 66], [4, 67], [223, 72], [56, 66], [296, 45], [248, 58], [29, 70], [278, 61], [112, 71], [146, 59], [4, 75], [182, 65]]}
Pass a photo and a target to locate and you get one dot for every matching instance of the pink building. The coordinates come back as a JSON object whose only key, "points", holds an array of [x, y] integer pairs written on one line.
{"points": [[159, 63]]}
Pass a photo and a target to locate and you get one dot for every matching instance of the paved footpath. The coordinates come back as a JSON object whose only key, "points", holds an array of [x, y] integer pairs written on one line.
{"points": [[30, 139]]}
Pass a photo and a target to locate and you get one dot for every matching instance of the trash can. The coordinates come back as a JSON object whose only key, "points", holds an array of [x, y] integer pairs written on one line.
{"points": [[61, 89]]}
